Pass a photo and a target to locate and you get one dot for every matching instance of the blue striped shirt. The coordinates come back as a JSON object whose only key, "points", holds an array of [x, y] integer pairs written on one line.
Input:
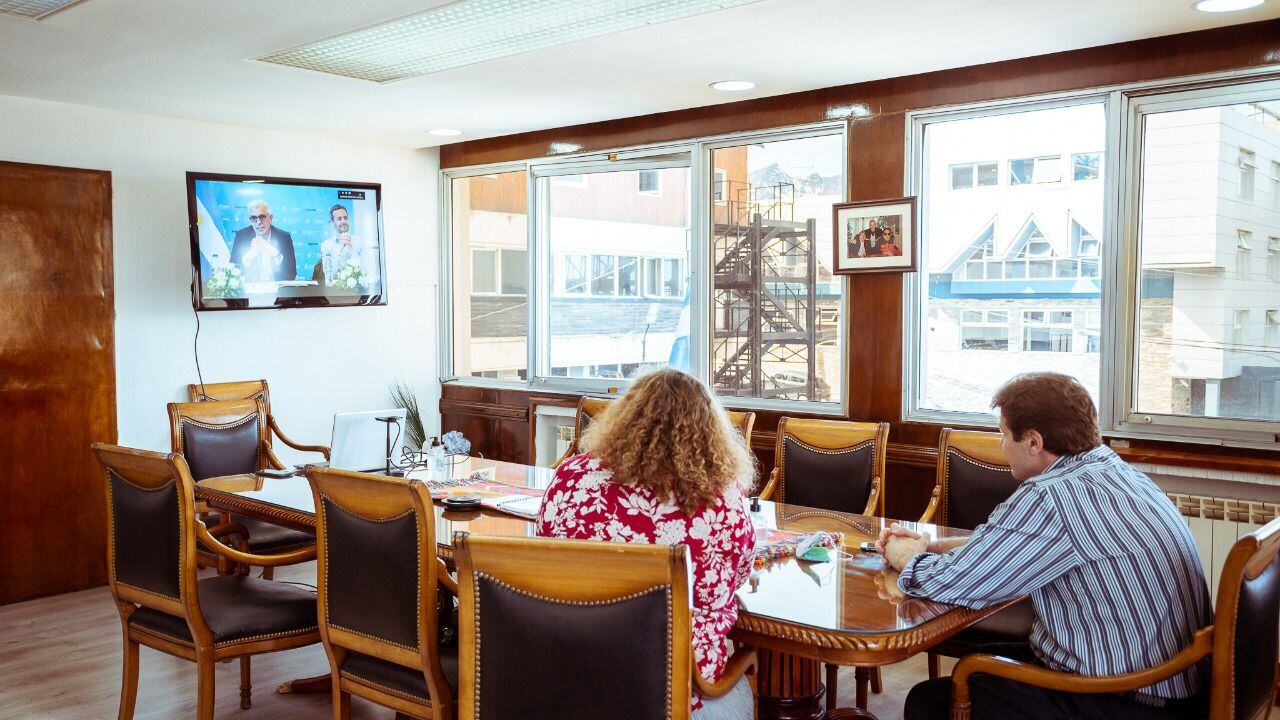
{"points": [[1108, 562]]}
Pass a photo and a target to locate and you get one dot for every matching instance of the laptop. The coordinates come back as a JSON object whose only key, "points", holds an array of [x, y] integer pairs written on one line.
{"points": [[360, 440]]}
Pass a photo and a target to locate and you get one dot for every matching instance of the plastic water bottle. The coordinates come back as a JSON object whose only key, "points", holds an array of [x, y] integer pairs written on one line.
{"points": [[758, 520], [435, 456]]}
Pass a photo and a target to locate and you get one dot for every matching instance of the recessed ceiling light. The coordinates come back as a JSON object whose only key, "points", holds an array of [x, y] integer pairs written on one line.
{"points": [[444, 132], [35, 9], [1225, 6], [732, 85]]}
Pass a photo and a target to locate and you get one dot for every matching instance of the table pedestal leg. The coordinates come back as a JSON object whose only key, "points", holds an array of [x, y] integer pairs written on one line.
{"points": [[791, 688]]}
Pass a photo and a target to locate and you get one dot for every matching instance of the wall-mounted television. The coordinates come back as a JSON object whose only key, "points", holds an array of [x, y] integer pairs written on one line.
{"points": [[262, 242]]}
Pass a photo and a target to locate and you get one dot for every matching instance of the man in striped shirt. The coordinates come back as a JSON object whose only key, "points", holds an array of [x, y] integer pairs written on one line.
{"points": [[1107, 561]]}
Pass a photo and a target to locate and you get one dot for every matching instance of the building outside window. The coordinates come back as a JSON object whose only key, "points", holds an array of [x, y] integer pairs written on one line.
{"points": [[576, 274], [719, 186], [1244, 253], [1273, 259], [1011, 270], [1086, 166], [650, 182], [484, 271], [1044, 169]]}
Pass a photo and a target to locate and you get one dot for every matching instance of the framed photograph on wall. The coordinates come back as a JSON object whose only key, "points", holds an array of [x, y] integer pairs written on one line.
{"points": [[875, 236]]}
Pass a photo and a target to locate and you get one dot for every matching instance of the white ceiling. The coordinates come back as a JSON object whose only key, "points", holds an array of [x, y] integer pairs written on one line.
{"points": [[190, 59]]}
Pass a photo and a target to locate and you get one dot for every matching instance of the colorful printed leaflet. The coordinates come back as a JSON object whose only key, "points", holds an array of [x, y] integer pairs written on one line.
{"points": [[516, 500], [782, 543]]}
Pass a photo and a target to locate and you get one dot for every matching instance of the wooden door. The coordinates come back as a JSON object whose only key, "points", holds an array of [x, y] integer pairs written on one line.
{"points": [[57, 377]]}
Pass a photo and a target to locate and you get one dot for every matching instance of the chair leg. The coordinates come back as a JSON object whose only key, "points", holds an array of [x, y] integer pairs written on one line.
{"points": [[832, 676], [934, 669], [129, 678], [246, 684], [863, 676], [204, 687], [268, 573], [877, 682], [341, 702]]}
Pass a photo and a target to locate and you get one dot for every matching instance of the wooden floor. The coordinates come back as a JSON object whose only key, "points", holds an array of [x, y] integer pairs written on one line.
{"points": [[60, 660]]}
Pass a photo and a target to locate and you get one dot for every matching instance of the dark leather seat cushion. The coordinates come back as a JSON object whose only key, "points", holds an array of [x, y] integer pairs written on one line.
{"points": [[1011, 625], [265, 537], [238, 608], [398, 679]]}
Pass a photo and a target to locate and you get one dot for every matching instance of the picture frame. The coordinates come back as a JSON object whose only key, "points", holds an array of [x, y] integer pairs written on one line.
{"points": [[875, 236]]}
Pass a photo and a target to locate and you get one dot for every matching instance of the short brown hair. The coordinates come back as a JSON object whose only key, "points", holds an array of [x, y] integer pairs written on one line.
{"points": [[669, 434], [1055, 405]]}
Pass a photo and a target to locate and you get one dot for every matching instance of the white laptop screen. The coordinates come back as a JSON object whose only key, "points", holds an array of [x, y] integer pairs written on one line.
{"points": [[360, 440]]}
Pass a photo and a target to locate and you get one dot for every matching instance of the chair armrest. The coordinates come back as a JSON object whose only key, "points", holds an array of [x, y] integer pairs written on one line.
{"points": [[932, 509], [228, 528], [1201, 645], [272, 461], [289, 558], [444, 578], [874, 501], [771, 486], [742, 662], [275, 428]]}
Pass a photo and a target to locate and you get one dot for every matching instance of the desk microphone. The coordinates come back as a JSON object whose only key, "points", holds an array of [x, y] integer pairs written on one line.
{"points": [[388, 419]]}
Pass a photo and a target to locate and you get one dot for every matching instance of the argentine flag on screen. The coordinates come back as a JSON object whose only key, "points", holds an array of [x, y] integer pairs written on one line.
{"points": [[680, 347]]}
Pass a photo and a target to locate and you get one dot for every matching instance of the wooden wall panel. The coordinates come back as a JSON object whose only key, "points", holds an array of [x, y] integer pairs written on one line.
{"points": [[877, 146], [57, 377]]}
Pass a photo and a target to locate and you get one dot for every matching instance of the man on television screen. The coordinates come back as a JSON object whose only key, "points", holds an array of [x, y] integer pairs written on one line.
{"points": [[263, 253], [344, 248]]}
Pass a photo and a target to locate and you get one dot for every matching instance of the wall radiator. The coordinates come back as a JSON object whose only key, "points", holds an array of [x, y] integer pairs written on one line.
{"points": [[1216, 523]]}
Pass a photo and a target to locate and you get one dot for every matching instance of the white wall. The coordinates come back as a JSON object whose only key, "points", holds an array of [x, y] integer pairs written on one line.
{"points": [[318, 360]]}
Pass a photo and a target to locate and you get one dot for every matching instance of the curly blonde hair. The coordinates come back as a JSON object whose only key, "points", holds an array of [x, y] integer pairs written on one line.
{"points": [[670, 435]]}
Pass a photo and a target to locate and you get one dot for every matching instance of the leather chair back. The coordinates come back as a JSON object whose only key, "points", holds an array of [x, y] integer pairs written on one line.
{"points": [[973, 478], [221, 437], [377, 571], [569, 629], [151, 542], [832, 464], [1245, 644], [235, 390]]}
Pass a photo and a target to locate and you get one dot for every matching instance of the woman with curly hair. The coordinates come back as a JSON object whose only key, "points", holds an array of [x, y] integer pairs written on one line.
{"points": [[663, 465]]}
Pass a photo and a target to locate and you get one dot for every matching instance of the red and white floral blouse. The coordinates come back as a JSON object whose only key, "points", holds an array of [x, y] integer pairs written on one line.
{"points": [[584, 503]]}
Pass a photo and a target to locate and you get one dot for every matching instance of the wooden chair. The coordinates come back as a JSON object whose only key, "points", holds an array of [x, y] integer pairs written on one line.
{"points": [[152, 532], [249, 390], [378, 586], [590, 408], [577, 629], [972, 479], [836, 465], [231, 437], [1243, 643]]}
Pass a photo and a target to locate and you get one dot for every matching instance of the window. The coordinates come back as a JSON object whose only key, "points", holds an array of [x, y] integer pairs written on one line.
{"points": [[720, 186], [603, 279], [794, 351], [1044, 169], [984, 330], [650, 182], [484, 271], [489, 286], [575, 274], [1028, 245], [1086, 166], [628, 276], [974, 175], [602, 323], [1246, 162], [1275, 184], [1272, 338], [1243, 253], [1200, 304]]}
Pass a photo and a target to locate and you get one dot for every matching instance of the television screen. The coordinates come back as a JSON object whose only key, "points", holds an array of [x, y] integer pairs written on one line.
{"points": [[270, 242]]}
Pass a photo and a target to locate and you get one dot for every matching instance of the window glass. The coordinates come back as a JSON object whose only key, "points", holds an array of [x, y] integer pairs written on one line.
{"points": [[1201, 346], [625, 245], [490, 275], [987, 174], [779, 336], [961, 176], [1025, 257], [1086, 166]]}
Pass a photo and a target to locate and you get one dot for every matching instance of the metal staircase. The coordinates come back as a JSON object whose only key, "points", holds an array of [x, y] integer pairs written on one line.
{"points": [[764, 297]]}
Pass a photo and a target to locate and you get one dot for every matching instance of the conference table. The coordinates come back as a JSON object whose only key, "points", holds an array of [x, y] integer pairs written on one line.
{"points": [[798, 614]]}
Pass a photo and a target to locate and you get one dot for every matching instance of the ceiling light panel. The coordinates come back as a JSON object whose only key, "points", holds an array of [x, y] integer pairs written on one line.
{"points": [[34, 9], [472, 31]]}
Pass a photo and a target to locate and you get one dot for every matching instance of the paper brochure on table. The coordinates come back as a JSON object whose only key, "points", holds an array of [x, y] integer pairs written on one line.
{"points": [[513, 499]]}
